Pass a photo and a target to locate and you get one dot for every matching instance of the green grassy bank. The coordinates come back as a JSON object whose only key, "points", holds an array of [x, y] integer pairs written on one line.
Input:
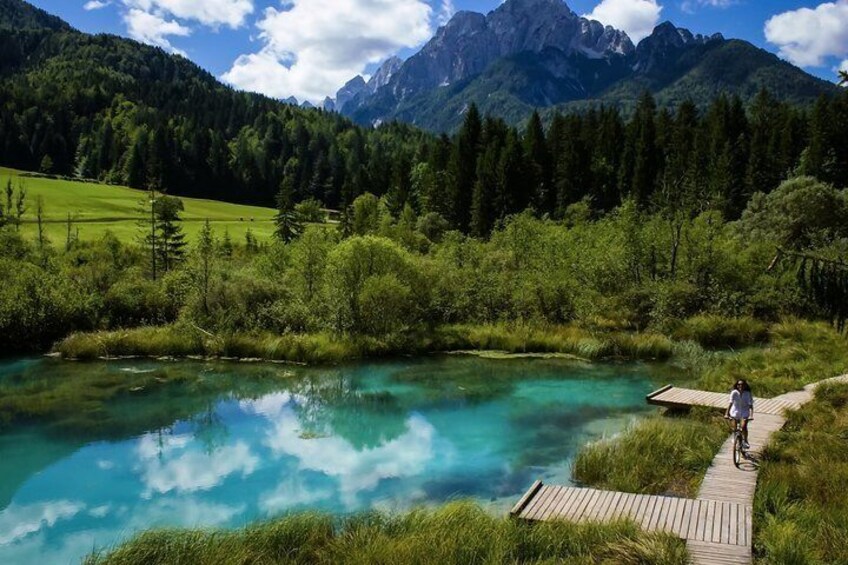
{"points": [[801, 503], [97, 208], [458, 533], [181, 340]]}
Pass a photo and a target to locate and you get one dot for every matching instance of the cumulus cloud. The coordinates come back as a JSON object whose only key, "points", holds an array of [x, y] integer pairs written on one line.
{"points": [[153, 29], [810, 36], [312, 47], [690, 6], [17, 522], [231, 13], [154, 21], [95, 5], [175, 466], [636, 17]]}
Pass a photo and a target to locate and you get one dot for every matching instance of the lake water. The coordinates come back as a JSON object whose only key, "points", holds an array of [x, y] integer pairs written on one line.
{"points": [[217, 444]]}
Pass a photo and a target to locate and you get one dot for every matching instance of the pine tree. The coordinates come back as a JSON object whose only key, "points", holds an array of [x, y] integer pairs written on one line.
{"points": [[644, 147], [538, 163], [171, 240], [463, 168], [287, 221]]}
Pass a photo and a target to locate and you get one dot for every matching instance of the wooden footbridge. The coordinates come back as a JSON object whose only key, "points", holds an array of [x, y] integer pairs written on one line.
{"points": [[717, 524]]}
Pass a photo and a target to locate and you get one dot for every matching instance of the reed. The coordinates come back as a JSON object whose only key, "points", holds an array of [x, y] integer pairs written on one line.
{"points": [[459, 533], [659, 455]]}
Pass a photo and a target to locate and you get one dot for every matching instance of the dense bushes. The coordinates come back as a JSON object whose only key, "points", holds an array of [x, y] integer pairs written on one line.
{"points": [[629, 270]]}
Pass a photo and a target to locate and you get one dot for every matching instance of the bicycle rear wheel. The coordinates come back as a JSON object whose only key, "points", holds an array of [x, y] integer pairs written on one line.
{"points": [[737, 448]]}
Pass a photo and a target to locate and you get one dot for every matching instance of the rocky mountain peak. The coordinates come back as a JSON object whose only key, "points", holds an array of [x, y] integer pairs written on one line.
{"points": [[349, 91], [384, 73]]}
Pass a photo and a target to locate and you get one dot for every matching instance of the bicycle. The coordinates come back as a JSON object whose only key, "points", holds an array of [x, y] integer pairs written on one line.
{"points": [[739, 452]]}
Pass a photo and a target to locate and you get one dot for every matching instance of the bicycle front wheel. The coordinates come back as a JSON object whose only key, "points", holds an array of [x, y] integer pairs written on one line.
{"points": [[737, 448]]}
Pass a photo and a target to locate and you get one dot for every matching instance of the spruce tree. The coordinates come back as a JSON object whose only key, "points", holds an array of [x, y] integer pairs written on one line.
{"points": [[538, 162], [287, 221], [463, 168], [171, 240]]}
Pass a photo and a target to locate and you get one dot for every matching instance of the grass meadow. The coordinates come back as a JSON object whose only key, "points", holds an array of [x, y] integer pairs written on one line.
{"points": [[97, 208]]}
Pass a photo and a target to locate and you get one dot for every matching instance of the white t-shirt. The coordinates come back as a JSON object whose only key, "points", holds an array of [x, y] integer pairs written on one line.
{"points": [[741, 404]]}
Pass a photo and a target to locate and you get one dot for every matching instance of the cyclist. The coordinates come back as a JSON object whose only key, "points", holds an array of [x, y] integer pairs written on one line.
{"points": [[741, 408]]}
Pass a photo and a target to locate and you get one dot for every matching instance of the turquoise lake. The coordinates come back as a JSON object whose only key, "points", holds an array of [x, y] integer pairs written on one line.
{"points": [[225, 444]]}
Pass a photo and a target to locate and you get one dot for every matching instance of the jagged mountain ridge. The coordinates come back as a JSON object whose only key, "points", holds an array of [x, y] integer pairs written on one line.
{"points": [[529, 54]]}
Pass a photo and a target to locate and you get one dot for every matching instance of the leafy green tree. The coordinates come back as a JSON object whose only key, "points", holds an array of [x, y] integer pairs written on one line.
{"points": [[367, 213], [205, 261]]}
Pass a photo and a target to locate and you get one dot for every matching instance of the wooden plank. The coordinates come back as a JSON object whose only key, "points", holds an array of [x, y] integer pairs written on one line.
{"points": [[550, 496], [672, 514], [522, 502], [598, 507], [587, 507], [748, 525], [657, 392], [564, 501], [540, 498], [574, 505], [702, 520], [544, 512], [641, 507], [682, 513], [648, 511], [611, 507], [658, 514], [733, 531]]}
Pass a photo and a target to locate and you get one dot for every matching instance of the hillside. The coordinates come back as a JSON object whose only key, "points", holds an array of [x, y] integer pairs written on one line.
{"points": [[105, 107], [98, 208]]}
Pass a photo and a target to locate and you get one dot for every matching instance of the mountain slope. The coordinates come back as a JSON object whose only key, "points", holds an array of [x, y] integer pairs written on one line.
{"points": [[539, 54], [112, 109]]}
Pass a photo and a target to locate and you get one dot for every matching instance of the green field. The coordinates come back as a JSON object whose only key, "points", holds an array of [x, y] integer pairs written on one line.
{"points": [[97, 208]]}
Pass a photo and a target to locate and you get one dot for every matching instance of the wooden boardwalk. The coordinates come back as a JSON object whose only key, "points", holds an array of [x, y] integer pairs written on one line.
{"points": [[717, 525]]}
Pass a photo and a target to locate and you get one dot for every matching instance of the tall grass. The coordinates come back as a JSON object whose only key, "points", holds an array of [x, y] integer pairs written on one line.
{"points": [[456, 533], [801, 502], [555, 339], [798, 353], [720, 332], [660, 455], [181, 341]]}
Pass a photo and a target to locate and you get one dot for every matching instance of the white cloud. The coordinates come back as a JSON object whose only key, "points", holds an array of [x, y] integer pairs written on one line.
{"points": [[690, 6], [153, 29], [636, 17], [95, 5], [312, 47], [446, 12], [17, 522], [844, 66], [211, 13], [809, 36], [164, 471], [153, 21]]}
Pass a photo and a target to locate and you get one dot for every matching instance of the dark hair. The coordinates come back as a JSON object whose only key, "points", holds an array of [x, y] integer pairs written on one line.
{"points": [[745, 385]]}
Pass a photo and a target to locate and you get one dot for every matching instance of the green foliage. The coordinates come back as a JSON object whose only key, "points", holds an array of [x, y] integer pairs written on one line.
{"points": [[801, 500], [802, 213], [456, 533], [661, 455]]}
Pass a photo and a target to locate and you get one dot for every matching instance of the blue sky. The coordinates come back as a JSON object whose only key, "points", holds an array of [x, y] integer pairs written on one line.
{"points": [[309, 48]]}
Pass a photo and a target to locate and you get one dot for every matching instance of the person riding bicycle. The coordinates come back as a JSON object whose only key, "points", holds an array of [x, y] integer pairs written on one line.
{"points": [[741, 407]]}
